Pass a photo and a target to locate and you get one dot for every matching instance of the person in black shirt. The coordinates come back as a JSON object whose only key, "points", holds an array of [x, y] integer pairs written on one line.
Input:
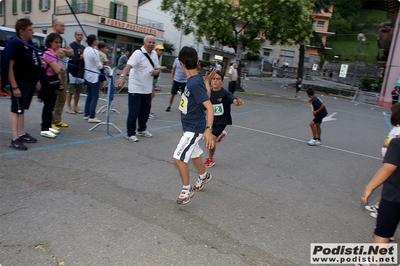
{"points": [[21, 69], [319, 112]]}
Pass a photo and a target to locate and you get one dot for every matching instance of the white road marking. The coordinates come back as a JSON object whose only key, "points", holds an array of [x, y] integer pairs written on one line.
{"points": [[303, 141]]}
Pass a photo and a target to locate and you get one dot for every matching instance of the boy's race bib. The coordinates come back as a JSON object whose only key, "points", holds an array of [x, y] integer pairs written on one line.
{"points": [[183, 104], [218, 109]]}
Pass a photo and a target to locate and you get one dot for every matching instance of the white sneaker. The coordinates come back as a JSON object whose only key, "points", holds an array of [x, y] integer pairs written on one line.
{"points": [[312, 142], [55, 131], [132, 138], [70, 111], [85, 117], [145, 134], [48, 134], [374, 215], [372, 208], [94, 120], [318, 142]]}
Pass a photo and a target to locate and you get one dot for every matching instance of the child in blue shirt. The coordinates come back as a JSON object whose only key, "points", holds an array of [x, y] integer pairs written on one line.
{"points": [[194, 99]]}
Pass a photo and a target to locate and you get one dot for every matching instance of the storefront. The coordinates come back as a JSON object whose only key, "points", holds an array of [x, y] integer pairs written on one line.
{"points": [[118, 45]]}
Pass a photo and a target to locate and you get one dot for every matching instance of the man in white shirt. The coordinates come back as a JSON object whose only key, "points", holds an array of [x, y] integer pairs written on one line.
{"points": [[142, 66], [233, 76]]}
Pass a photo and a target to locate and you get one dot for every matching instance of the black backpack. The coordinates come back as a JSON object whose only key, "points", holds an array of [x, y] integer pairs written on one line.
{"points": [[76, 64]]}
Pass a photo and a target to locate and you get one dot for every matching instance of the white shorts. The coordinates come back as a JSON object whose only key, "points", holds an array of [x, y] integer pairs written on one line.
{"points": [[188, 147]]}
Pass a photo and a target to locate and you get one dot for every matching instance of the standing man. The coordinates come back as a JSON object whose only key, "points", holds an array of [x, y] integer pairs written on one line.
{"points": [[233, 76], [395, 95], [178, 81], [218, 67], [142, 66], [76, 84], [20, 67], [123, 60], [159, 50], [63, 53]]}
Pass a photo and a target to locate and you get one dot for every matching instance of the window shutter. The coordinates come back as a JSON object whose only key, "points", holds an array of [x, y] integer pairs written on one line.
{"points": [[28, 5], [1, 8], [41, 4], [14, 6], [125, 13], [90, 6], [112, 10], [48, 4], [73, 5], [23, 5]]}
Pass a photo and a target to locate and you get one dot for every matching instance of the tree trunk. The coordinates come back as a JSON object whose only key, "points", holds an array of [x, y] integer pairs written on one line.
{"points": [[300, 69], [238, 59]]}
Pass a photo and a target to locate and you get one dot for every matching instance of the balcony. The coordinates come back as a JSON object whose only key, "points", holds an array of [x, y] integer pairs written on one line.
{"points": [[105, 12]]}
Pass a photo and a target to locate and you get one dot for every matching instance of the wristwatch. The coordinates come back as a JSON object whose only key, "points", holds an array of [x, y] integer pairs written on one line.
{"points": [[210, 127]]}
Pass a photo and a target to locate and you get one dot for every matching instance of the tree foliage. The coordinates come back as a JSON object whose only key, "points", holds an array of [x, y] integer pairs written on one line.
{"points": [[250, 22], [169, 47]]}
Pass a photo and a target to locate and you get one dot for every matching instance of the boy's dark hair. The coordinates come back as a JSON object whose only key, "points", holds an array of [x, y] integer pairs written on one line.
{"points": [[395, 117], [21, 24], [90, 39], [188, 56], [101, 45], [310, 91], [220, 74], [51, 37]]}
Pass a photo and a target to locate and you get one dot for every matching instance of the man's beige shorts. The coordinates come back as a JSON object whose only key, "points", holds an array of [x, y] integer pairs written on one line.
{"points": [[76, 88]]}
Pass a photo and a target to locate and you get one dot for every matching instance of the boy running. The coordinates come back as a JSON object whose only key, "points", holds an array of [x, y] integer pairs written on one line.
{"points": [[194, 100], [319, 112], [221, 100]]}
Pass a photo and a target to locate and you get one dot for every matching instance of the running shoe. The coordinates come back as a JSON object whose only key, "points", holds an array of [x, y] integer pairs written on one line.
{"points": [[201, 182], [27, 138], [145, 134], [372, 208], [18, 145], [48, 134], [374, 215], [318, 142], [61, 124], [185, 196], [132, 138], [221, 136], [210, 162], [312, 142], [168, 109]]}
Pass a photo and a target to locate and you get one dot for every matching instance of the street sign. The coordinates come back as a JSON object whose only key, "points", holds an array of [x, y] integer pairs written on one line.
{"points": [[314, 67], [343, 71]]}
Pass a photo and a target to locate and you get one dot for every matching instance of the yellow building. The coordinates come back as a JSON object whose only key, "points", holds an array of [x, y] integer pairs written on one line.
{"points": [[114, 22]]}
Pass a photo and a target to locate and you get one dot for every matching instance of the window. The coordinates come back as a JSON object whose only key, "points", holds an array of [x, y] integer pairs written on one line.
{"points": [[320, 24], [82, 6], [118, 11], [44, 5], [14, 7], [26, 6], [1, 8]]}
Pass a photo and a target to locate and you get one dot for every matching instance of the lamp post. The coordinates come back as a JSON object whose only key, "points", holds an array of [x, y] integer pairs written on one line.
{"points": [[361, 38]]}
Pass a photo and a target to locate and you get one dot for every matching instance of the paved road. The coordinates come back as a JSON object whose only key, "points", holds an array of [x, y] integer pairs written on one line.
{"points": [[86, 198]]}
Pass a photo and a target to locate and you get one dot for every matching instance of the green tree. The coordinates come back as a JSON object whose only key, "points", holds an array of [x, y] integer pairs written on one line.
{"points": [[169, 47], [244, 26], [318, 6]]}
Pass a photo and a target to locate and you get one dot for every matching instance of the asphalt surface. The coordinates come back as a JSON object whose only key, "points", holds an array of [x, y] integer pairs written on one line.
{"points": [[88, 198]]}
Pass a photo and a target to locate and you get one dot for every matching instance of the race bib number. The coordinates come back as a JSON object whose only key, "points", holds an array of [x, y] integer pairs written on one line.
{"points": [[183, 104], [218, 109]]}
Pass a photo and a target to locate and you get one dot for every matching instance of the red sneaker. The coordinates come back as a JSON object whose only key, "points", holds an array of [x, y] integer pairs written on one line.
{"points": [[210, 162], [221, 136]]}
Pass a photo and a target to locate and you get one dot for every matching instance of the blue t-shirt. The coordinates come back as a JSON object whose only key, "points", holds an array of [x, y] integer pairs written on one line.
{"points": [[193, 115], [316, 104]]}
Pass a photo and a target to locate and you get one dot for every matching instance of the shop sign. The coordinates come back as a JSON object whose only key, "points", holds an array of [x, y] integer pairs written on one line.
{"points": [[126, 25]]}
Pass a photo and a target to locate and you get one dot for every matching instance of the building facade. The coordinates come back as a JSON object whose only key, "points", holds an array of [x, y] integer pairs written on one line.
{"points": [[115, 22]]}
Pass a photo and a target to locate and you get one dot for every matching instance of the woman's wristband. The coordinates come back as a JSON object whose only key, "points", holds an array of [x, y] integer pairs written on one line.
{"points": [[367, 188]]}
